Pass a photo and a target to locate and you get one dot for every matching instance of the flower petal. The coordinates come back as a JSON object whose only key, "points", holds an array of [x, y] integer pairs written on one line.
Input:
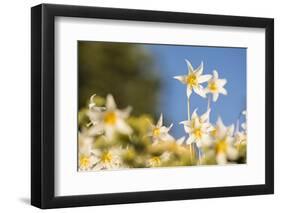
{"points": [[187, 129], [186, 123], [96, 129], [188, 91], [124, 113], [243, 125], [221, 159], [180, 140], [230, 130], [167, 137], [215, 96], [204, 78], [223, 91], [122, 127], [197, 123], [110, 103], [221, 82], [194, 114], [190, 67], [170, 127], [232, 153], [181, 78], [190, 139], [206, 140], [199, 70], [215, 74], [109, 131], [160, 121], [205, 117], [221, 128], [200, 91]]}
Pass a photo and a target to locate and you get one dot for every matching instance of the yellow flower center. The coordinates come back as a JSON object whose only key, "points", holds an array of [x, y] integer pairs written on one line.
{"points": [[106, 157], [198, 133], [84, 161], [110, 118], [155, 160], [192, 80], [156, 132], [213, 87], [221, 147]]}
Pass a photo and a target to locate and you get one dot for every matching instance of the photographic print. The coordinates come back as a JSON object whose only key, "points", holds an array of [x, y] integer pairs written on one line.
{"points": [[157, 105], [191, 98]]}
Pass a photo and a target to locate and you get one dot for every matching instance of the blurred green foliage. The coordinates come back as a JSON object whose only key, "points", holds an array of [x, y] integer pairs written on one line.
{"points": [[124, 70]]}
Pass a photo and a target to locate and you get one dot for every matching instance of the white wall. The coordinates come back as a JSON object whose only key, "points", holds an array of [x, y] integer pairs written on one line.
{"points": [[15, 105]]}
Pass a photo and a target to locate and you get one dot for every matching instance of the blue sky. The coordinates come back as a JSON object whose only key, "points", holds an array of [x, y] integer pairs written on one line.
{"points": [[230, 64]]}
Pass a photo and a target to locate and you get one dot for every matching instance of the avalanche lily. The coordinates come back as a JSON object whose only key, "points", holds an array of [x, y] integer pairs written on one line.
{"points": [[156, 161], [198, 129], [111, 120], [223, 142], [194, 79], [215, 86], [86, 161], [107, 159], [240, 138], [159, 132]]}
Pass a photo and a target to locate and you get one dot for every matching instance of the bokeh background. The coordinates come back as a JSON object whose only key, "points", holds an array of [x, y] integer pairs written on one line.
{"points": [[141, 75]]}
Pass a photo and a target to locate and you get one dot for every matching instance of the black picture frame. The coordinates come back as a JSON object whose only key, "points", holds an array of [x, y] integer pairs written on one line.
{"points": [[43, 105]]}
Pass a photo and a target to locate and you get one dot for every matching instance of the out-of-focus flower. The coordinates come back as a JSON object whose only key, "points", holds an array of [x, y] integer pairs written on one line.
{"points": [[198, 129], [159, 132], [216, 86], [156, 161], [86, 162], [224, 142], [194, 79], [84, 143], [240, 138], [110, 120], [107, 159]]}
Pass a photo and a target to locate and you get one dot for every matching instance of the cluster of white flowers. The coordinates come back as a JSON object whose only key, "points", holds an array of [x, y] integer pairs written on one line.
{"points": [[217, 140], [104, 121], [194, 79], [220, 138]]}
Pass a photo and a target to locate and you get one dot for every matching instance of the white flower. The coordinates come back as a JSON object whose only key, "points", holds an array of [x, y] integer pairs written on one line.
{"points": [[240, 138], [198, 129], [107, 159], [223, 142], [86, 161], [156, 161], [111, 120], [159, 132], [215, 86], [193, 80]]}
